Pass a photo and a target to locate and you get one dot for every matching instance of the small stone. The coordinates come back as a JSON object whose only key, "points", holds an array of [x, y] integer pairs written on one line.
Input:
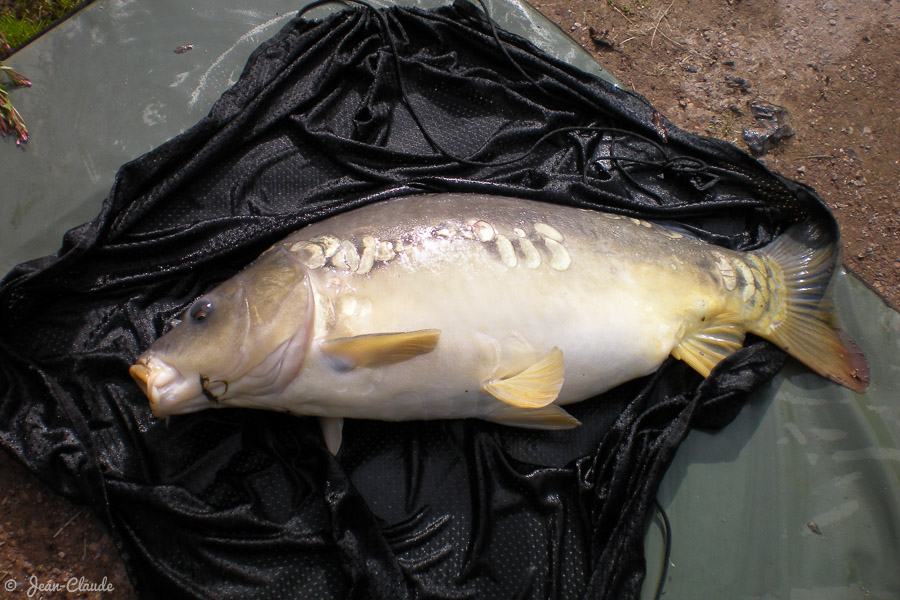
{"points": [[601, 38], [738, 83]]}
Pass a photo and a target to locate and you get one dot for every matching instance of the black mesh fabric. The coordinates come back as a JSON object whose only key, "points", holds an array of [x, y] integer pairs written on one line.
{"points": [[326, 116]]}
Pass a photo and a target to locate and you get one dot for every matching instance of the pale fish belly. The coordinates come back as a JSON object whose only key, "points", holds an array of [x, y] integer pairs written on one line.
{"points": [[504, 282]]}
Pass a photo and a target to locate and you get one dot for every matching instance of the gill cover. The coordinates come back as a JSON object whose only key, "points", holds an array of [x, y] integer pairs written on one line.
{"points": [[245, 338]]}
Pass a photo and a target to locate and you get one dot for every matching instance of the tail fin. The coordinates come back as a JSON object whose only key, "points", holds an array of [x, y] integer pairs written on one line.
{"points": [[810, 331]]}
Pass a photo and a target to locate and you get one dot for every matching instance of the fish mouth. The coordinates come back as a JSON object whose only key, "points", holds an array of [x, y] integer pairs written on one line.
{"points": [[140, 372], [167, 390]]}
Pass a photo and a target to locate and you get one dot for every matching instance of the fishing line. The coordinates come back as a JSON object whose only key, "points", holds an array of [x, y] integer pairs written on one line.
{"points": [[667, 552], [701, 175], [495, 34], [388, 37]]}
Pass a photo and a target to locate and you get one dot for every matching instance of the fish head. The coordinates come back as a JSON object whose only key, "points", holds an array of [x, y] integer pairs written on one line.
{"points": [[238, 345]]}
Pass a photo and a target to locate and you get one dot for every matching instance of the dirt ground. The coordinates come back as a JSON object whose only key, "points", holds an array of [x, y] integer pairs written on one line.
{"points": [[832, 65]]}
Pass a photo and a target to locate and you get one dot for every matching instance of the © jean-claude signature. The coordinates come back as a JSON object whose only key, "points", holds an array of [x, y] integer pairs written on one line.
{"points": [[72, 585]]}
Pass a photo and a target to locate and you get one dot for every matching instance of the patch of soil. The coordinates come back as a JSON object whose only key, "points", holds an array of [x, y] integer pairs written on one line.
{"points": [[832, 65], [50, 548]]}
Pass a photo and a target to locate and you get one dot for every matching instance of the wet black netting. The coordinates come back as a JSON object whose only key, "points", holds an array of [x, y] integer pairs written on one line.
{"points": [[328, 115]]}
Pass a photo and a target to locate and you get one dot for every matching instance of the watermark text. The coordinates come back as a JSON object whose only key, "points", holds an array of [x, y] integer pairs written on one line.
{"points": [[35, 586]]}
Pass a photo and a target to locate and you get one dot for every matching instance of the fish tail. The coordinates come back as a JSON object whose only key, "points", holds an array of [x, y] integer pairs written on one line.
{"points": [[804, 323]]}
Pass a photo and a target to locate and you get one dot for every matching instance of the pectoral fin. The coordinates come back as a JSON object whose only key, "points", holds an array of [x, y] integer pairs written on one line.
{"points": [[379, 349], [719, 337], [332, 431], [535, 387]]}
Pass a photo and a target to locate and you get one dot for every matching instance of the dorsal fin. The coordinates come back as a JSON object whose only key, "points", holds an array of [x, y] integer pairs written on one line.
{"points": [[379, 349]]}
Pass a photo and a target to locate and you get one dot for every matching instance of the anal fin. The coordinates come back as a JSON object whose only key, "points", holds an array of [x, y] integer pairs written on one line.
{"points": [[535, 387], [379, 349], [548, 417], [718, 337]]}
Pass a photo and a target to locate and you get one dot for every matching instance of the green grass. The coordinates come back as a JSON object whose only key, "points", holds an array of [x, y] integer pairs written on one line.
{"points": [[17, 31], [19, 22], [25, 19]]}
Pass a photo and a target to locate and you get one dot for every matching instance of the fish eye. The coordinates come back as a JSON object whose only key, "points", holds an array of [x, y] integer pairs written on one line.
{"points": [[201, 310]]}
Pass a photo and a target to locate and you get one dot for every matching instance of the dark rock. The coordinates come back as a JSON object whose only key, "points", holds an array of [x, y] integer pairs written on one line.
{"points": [[738, 83], [776, 126]]}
